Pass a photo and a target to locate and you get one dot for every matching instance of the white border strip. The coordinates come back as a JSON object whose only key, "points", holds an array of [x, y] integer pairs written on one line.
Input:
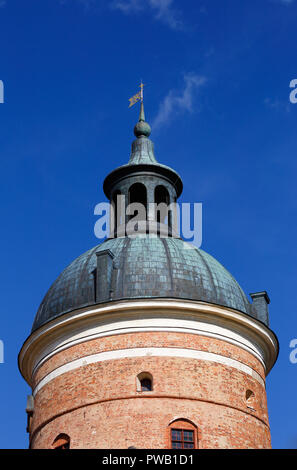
{"points": [[148, 352], [148, 325], [159, 315]]}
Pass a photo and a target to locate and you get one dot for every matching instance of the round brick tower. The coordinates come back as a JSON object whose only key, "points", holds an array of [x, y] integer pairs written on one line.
{"points": [[147, 341]]}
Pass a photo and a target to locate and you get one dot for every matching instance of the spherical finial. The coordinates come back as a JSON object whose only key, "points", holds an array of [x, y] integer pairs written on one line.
{"points": [[142, 129]]}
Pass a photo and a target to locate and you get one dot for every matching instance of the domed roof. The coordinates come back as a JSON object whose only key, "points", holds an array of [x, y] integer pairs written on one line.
{"points": [[146, 266]]}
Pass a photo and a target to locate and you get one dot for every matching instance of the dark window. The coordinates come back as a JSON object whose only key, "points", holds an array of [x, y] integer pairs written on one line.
{"points": [[182, 439], [249, 395], [250, 399], [137, 193], [146, 385], [144, 382], [63, 446], [61, 442], [162, 197]]}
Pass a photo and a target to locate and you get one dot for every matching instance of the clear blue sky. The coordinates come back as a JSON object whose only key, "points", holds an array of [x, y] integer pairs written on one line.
{"points": [[217, 79]]}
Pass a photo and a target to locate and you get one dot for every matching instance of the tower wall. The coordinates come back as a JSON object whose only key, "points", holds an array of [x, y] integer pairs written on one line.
{"points": [[202, 367], [119, 358]]}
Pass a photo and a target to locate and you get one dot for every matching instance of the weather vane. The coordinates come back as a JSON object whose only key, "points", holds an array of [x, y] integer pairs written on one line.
{"points": [[138, 96]]}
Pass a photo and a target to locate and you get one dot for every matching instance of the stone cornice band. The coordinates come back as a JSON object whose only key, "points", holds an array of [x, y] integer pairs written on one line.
{"points": [[148, 315]]}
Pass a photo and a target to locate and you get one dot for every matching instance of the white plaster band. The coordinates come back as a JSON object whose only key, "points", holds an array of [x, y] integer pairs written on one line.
{"points": [[148, 352], [147, 325], [171, 315]]}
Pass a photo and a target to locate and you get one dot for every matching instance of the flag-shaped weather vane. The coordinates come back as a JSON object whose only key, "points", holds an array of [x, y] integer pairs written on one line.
{"points": [[137, 97]]}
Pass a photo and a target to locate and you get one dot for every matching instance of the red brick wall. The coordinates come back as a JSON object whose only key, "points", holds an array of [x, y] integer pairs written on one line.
{"points": [[98, 406]]}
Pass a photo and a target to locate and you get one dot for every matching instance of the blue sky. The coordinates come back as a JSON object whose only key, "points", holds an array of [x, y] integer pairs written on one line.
{"points": [[217, 77]]}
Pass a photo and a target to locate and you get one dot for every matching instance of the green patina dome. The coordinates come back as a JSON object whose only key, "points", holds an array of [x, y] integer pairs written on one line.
{"points": [[147, 266], [144, 267]]}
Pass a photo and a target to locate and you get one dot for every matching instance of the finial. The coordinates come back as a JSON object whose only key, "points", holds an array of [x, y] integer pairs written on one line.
{"points": [[142, 128]]}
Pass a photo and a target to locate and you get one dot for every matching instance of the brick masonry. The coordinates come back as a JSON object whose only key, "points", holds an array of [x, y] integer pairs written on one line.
{"points": [[98, 404]]}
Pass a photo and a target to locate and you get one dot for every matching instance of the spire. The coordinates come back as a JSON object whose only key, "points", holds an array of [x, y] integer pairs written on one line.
{"points": [[141, 114], [142, 158], [142, 128], [142, 147]]}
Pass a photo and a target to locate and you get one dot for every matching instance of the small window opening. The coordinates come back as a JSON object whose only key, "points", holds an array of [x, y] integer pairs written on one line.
{"points": [[145, 382], [250, 398], [146, 385], [61, 442]]}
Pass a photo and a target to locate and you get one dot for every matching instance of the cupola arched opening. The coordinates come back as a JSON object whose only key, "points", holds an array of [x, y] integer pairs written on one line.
{"points": [[162, 197], [137, 193]]}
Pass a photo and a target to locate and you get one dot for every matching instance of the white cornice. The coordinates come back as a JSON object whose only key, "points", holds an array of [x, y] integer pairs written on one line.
{"points": [[148, 315]]}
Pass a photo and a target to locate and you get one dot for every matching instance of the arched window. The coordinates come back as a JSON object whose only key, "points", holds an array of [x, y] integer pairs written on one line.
{"points": [[162, 197], [183, 434], [137, 193], [61, 442], [144, 382]]}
